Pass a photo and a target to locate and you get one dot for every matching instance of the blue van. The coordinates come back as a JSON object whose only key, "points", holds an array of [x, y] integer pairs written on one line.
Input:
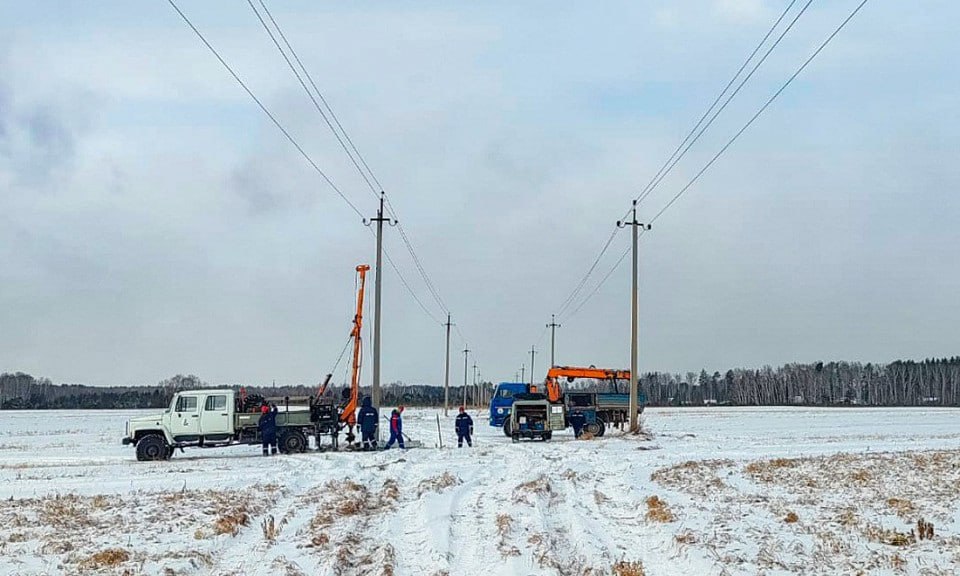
{"points": [[502, 401]]}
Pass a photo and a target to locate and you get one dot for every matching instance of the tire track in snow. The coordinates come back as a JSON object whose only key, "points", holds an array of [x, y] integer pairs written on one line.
{"points": [[472, 522], [249, 552]]}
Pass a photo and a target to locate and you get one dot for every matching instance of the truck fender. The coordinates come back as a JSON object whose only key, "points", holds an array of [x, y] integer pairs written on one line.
{"points": [[141, 433]]}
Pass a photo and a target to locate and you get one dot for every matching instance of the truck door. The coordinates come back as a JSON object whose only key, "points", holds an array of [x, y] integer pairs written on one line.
{"points": [[215, 420], [185, 424]]}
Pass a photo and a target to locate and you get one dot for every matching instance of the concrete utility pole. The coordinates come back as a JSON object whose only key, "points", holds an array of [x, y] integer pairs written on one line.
{"points": [[466, 352], [376, 299], [533, 352], [523, 371], [634, 312], [553, 334], [446, 372], [481, 390], [476, 396]]}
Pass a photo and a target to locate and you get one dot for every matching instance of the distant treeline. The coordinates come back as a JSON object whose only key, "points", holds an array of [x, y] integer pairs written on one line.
{"points": [[932, 382], [19, 391]]}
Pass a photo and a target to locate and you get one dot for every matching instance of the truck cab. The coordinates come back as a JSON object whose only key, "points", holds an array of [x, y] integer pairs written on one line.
{"points": [[502, 400], [191, 416]]}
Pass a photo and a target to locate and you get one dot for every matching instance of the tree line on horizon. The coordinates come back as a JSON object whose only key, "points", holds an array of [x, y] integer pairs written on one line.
{"points": [[931, 382]]}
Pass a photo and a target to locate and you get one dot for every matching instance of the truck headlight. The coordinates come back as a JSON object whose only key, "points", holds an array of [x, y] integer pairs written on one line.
{"points": [[499, 410]]}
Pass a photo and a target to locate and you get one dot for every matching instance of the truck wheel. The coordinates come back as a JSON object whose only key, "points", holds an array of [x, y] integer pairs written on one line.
{"points": [[292, 442], [601, 428], [547, 435], [593, 429], [507, 428], [152, 447]]}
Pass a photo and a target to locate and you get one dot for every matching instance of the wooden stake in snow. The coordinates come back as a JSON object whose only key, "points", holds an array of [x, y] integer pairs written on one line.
{"points": [[439, 434]]}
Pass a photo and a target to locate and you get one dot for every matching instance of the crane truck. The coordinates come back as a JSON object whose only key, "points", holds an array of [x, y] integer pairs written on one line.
{"points": [[536, 414]]}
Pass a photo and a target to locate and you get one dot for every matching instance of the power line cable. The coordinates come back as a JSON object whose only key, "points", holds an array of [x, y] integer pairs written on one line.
{"points": [[598, 286], [576, 291], [654, 181], [729, 99], [760, 111], [303, 84], [356, 158], [423, 273], [322, 99], [727, 145], [409, 289], [264, 109], [674, 158]]}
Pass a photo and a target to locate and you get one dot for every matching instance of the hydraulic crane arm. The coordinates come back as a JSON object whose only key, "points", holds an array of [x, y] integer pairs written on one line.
{"points": [[349, 414], [571, 373]]}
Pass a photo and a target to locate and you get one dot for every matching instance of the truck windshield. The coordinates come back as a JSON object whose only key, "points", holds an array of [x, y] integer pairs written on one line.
{"points": [[505, 393]]}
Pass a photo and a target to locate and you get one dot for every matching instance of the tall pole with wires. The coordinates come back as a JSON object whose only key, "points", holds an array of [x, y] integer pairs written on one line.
{"points": [[466, 353], [553, 334], [476, 397], [634, 313], [533, 352], [446, 372], [378, 286]]}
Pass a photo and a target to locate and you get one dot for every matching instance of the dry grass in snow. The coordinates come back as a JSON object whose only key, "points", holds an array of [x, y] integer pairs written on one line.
{"points": [[624, 568], [91, 533], [658, 511], [849, 513], [345, 510], [438, 483]]}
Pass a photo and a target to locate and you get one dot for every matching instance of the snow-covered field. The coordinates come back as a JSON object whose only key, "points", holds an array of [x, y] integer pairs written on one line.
{"points": [[708, 491]]}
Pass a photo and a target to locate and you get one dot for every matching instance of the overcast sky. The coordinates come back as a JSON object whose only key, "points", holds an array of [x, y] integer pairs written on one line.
{"points": [[153, 222]]}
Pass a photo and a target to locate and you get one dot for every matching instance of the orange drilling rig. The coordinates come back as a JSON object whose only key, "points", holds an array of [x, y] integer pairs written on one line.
{"points": [[348, 410]]}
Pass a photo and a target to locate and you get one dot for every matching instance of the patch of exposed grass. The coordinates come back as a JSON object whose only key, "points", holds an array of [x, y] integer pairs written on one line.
{"points": [[694, 475], [658, 510], [538, 487], [625, 568], [770, 470], [504, 528], [106, 559], [890, 536], [902, 507], [230, 522], [438, 483], [791, 518], [861, 476]]}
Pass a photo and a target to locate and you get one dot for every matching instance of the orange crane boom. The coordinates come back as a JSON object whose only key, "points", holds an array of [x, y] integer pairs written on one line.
{"points": [[349, 414], [571, 373]]}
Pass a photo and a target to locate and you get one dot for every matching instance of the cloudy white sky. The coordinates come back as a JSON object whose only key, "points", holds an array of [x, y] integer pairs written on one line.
{"points": [[153, 222]]}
